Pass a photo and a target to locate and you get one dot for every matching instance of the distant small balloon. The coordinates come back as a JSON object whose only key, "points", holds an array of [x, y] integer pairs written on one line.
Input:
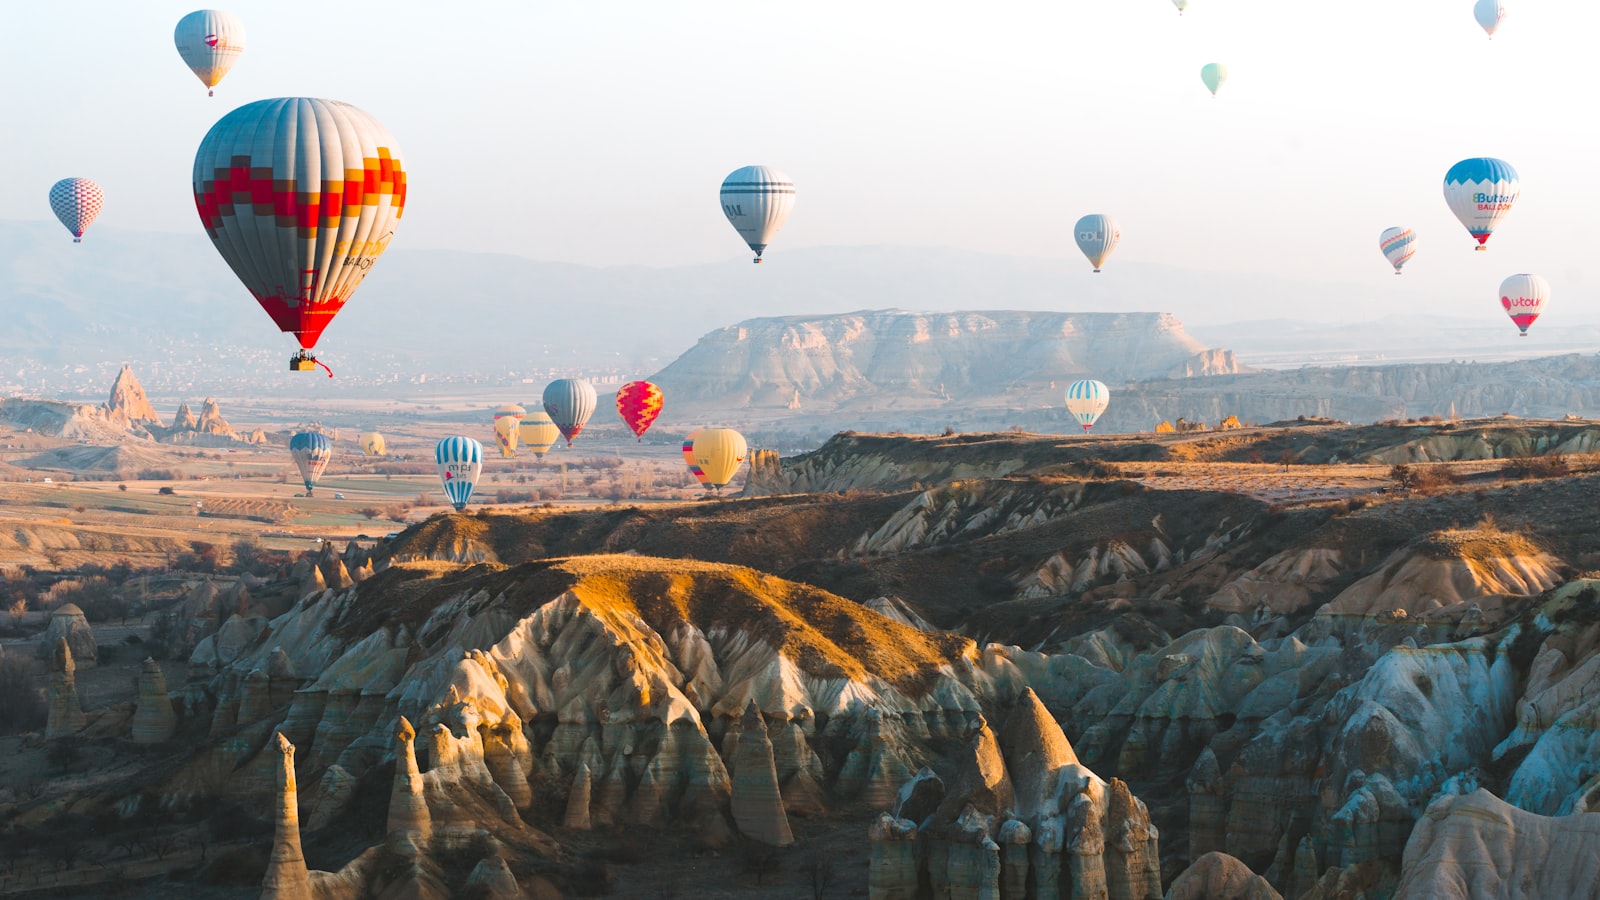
{"points": [[1524, 297], [1215, 75], [639, 403], [538, 433], [1097, 236], [1398, 245], [373, 444], [757, 201], [311, 451], [570, 402], [76, 202], [460, 462], [1489, 13], [688, 457], [210, 42], [507, 422], [719, 452], [1181, 5], [1086, 400]]}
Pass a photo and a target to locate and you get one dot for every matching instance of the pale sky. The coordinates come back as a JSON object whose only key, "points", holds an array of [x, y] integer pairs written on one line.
{"points": [[598, 132]]}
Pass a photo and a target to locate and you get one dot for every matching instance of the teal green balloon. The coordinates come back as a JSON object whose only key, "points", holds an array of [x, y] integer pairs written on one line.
{"points": [[1215, 75]]}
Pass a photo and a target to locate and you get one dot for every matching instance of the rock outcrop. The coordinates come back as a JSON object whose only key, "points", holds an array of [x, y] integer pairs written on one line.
{"points": [[1215, 876], [287, 877], [924, 359], [1476, 847], [756, 802], [68, 623], [153, 720], [64, 716], [128, 405]]}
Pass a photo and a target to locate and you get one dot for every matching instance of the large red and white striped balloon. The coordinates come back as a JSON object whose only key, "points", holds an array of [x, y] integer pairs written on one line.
{"points": [[301, 197], [76, 202]]}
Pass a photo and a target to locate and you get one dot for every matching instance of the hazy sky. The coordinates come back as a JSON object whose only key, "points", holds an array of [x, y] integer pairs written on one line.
{"points": [[597, 132]]}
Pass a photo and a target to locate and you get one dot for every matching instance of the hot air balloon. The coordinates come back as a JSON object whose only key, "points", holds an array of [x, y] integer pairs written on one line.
{"points": [[1097, 237], [76, 202], [757, 200], [688, 457], [301, 197], [1399, 245], [373, 444], [1181, 5], [311, 451], [638, 403], [1215, 75], [210, 42], [1524, 298], [538, 433], [507, 421], [1489, 13], [1480, 192], [570, 403], [1086, 400], [460, 462], [719, 452]]}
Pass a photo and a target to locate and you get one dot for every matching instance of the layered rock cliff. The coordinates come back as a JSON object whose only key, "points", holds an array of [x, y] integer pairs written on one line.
{"points": [[894, 358]]}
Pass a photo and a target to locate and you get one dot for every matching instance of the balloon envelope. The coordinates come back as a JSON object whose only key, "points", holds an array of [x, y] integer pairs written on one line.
{"points": [[460, 462], [210, 42], [570, 402], [1480, 192], [1086, 400], [638, 403], [1398, 245], [1215, 75], [688, 457], [373, 444], [1181, 5], [1097, 236], [507, 428], [757, 201], [301, 197], [1489, 13], [76, 202], [537, 432], [1524, 297], [311, 451], [719, 452]]}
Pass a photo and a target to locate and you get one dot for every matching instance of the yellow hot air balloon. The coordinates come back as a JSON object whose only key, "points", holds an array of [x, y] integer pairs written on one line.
{"points": [[719, 452], [538, 433], [506, 421], [373, 444]]}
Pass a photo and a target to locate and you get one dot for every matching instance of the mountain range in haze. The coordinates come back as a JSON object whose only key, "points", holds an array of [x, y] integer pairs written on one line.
{"points": [[168, 299]]}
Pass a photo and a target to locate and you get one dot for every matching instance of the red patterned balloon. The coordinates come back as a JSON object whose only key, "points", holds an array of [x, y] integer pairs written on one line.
{"points": [[638, 403]]}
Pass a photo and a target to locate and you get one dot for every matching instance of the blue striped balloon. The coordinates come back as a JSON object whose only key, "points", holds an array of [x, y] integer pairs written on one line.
{"points": [[460, 462], [311, 451], [1086, 400]]}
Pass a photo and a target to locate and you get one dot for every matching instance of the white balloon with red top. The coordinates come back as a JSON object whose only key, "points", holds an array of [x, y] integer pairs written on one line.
{"points": [[210, 42]]}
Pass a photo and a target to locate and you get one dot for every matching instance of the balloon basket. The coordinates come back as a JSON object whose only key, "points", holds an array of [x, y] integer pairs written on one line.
{"points": [[1481, 248], [757, 260], [300, 362]]}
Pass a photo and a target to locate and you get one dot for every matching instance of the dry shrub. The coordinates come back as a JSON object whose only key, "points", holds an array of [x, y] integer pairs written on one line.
{"points": [[1423, 479], [22, 704], [1552, 466]]}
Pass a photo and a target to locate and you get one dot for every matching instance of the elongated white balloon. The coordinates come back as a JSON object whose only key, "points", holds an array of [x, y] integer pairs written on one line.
{"points": [[210, 42], [1489, 13], [1523, 297], [76, 202], [1480, 192], [1399, 245], [1086, 400], [757, 200], [1214, 75], [1097, 236], [460, 462]]}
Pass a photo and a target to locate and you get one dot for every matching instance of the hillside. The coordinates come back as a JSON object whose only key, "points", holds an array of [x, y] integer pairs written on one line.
{"points": [[893, 359]]}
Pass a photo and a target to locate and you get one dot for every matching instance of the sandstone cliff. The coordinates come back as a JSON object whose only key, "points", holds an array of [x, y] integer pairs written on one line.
{"points": [[894, 358]]}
